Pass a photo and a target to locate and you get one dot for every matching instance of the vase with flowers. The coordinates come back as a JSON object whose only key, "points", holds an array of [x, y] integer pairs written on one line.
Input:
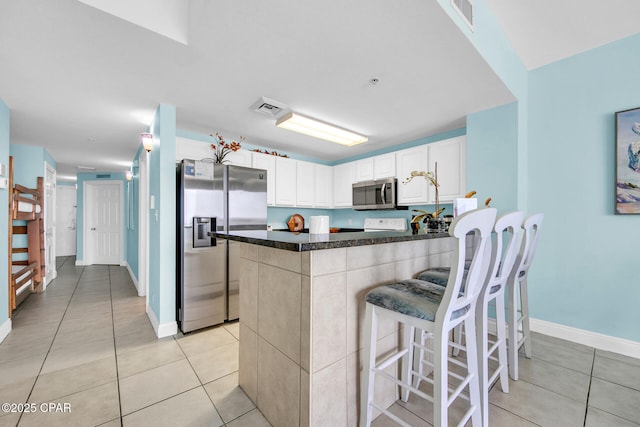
{"points": [[221, 148]]}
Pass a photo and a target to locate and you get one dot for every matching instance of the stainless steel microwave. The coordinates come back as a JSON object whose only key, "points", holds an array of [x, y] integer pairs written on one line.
{"points": [[379, 194]]}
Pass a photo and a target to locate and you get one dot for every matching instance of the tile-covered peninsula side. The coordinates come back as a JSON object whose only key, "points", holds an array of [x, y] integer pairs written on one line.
{"points": [[301, 316]]}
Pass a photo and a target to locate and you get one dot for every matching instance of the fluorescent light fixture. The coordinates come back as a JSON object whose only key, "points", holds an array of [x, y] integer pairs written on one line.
{"points": [[317, 129], [147, 141]]}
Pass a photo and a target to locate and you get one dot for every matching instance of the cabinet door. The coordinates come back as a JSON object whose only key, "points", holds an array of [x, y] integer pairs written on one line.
{"points": [[364, 169], [417, 191], [343, 178], [323, 186], [305, 183], [451, 157], [268, 163], [384, 166], [239, 158], [286, 175]]}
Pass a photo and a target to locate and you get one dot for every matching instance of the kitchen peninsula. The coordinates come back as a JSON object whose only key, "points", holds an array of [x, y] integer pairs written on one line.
{"points": [[301, 314]]}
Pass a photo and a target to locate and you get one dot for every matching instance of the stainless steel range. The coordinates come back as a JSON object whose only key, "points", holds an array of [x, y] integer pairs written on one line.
{"points": [[385, 224]]}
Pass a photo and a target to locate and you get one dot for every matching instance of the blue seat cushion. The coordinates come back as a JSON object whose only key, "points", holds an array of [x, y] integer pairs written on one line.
{"points": [[437, 275], [415, 298], [440, 276]]}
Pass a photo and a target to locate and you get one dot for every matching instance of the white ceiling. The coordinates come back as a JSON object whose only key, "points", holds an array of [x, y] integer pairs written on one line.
{"points": [[83, 83], [545, 31]]}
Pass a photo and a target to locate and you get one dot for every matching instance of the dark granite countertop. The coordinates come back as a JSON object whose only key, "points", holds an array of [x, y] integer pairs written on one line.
{"points": [[310, 242]]}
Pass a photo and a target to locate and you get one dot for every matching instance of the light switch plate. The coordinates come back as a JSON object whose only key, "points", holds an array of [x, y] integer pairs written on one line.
{"points": [[4, 182]]}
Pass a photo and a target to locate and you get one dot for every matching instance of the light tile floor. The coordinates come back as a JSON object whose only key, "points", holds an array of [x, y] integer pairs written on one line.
{"points": [[87, 342]]}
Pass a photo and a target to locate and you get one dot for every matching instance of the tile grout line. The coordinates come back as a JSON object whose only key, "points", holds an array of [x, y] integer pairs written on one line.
{"points": [[199, 380], [52, 341], [115, 353], [586, 408]]}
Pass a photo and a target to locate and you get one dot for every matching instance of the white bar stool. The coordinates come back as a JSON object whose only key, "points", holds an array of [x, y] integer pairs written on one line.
{"points": [[437, 310], [504, 250], [518, 300]]}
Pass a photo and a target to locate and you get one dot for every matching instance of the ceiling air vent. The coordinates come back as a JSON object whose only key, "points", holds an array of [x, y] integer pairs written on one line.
{"points": [[465, 9], [269, 107]]}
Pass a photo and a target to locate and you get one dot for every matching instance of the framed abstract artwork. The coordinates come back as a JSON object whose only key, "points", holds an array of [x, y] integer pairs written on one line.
{"points": [[628, 161]]}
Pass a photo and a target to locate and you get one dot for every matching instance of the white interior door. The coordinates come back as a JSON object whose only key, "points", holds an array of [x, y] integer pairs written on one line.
{"points": [[65, 220], [103, 222], [49, 223]]}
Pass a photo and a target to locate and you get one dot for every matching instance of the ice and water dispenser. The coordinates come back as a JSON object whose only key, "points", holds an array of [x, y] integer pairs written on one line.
{"points": [[202, 226]]}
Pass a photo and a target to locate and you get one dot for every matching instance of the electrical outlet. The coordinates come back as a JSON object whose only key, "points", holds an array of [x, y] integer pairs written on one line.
{"points": [[350, 221]]}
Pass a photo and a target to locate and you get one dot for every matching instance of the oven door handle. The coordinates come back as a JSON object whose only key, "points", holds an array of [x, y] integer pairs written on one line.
{"points": [[382, 191]]}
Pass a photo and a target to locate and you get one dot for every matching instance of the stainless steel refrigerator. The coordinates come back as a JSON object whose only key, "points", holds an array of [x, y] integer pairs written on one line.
{"points": [[212, 197]]}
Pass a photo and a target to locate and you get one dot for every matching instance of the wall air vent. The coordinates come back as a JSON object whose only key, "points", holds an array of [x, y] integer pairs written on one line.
{"points": [[103, 176], [269, 107], [465, 9]]}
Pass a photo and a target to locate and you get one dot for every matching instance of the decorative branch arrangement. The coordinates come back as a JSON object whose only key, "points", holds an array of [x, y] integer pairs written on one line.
{"points": [[432, 177], [223, 148]]}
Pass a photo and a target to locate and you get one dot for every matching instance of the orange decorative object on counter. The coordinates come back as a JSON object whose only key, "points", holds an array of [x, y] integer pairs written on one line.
{"points": [[296, 222]]}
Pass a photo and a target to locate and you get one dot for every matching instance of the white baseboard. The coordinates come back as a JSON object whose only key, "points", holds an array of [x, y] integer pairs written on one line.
{"points": [[133, 277], [79, 263], [162, 329], [592, 339], [581, 336], [5, 328]]}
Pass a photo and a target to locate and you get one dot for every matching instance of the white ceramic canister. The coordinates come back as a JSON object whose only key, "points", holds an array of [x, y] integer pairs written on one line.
{"points": [[319, 224]]}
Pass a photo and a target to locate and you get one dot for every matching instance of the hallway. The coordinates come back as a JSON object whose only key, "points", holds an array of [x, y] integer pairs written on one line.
{"points": [[87, 345]]}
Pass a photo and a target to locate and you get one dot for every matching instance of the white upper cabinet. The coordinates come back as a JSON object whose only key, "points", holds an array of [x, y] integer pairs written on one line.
{"points": [[268, 163], [323, 186], [384, 166], [305, 173], [364, 169], [451, 157], [377, 167], [343, 179], [192, 149], [239, 158], [415, 192], [286, 176]]}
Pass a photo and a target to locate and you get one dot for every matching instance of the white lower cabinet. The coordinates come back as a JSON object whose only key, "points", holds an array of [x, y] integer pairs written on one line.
{"points": [[323, 186], [343, 179], [268, 163]]}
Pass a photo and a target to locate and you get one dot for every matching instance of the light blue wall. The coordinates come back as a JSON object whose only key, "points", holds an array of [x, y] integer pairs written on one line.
{"points": [[492, 156], [492, 44], [82, 178], [586, 269], [4, 214], [162, 219], [28, 164]]}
